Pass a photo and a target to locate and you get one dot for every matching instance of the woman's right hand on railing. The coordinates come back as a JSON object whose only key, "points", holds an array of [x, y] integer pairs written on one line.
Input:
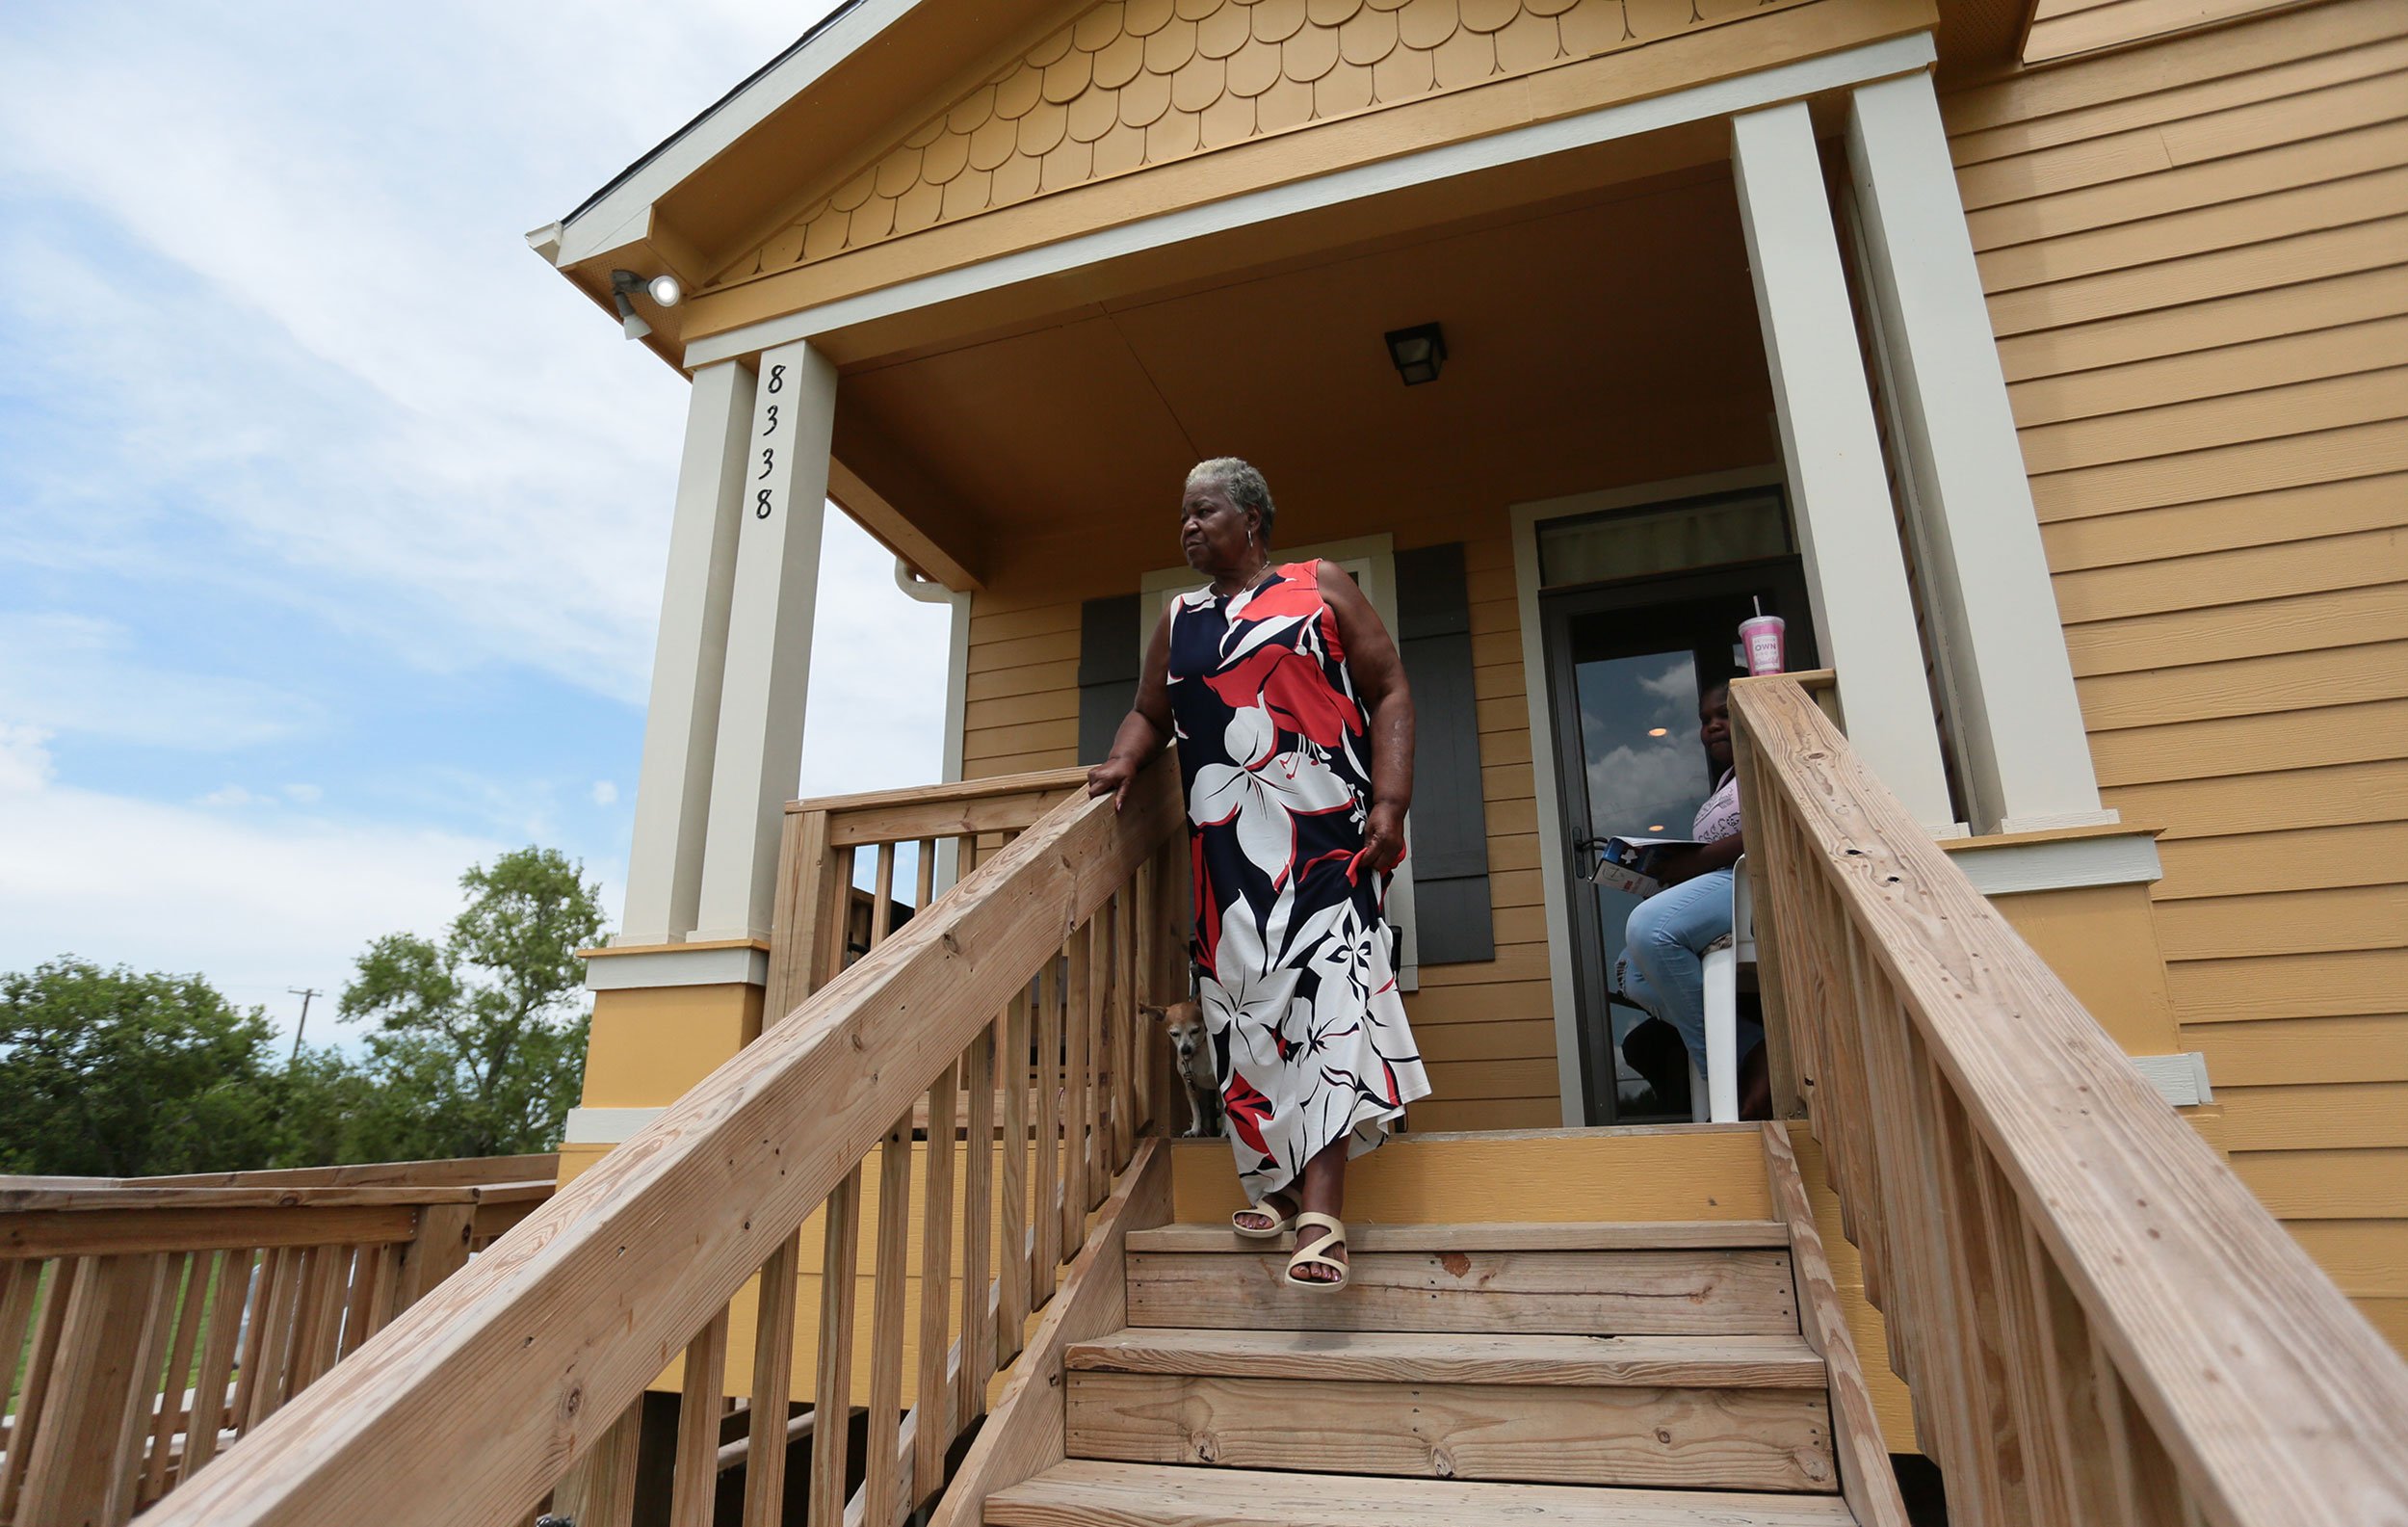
{"points": [[1111, 778]]}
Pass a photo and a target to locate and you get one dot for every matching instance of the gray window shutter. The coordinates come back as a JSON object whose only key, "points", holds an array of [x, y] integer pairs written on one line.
{"points": [[1450, 827], [1110, 659]]}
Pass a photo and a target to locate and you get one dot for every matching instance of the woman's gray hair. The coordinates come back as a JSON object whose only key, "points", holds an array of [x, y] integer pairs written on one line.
{"points": [[1244, 485]]}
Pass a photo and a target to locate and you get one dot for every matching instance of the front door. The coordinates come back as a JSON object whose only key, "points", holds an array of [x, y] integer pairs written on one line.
{"points": [[1626, 664]]}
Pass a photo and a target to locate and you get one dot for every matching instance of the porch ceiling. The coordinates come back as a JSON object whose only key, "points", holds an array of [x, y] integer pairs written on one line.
{"points": [[1610, 341]]}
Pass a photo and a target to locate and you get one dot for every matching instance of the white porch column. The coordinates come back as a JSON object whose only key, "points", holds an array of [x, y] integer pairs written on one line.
{"points": [[759, 753], [681, 723], [1855, 573], [2018, 720]]}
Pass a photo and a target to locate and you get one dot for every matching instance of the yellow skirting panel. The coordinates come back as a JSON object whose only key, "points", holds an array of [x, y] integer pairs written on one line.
{"points": [[2102, 941], [649, 1046], [1696, 1171]]}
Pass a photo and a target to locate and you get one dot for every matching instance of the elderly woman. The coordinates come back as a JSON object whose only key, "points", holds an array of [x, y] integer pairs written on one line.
{"points": [[1295, 747]]}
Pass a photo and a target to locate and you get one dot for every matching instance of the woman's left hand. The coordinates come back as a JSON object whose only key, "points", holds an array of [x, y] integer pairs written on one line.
{"points": [[1383, 837]]}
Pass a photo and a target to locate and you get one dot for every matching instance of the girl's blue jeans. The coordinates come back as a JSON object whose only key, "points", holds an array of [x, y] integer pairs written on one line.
{"points": [[1665, 943]]}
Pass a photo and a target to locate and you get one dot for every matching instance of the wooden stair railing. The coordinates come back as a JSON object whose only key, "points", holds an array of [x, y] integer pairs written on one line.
{"points": [[2097, 1321], [152, 1318], [822, 922], [522, 1376]]}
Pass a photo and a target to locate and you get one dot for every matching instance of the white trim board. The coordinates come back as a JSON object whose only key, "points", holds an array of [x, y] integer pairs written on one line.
{"points": [[2182, 1080], [605, 1126], [2011, 868], [728, 965], [1744, 92]]}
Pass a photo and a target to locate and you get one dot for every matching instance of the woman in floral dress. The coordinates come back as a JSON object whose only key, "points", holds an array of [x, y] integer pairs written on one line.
{"points": [[1295, 746]]}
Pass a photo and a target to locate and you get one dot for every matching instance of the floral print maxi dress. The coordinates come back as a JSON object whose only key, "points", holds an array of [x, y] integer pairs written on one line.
{"points": [[1309, 1038]]}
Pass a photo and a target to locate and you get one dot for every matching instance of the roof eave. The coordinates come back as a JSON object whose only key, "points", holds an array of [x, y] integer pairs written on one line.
{"points": [[605, 219]]}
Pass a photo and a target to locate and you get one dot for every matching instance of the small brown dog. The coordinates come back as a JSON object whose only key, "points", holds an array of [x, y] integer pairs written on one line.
{"points": [[1191, 1048]]}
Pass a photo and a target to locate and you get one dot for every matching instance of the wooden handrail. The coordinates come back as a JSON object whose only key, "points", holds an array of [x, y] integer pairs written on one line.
{"points": [[469, 1408], [463, 1171], [2098, 1322]]}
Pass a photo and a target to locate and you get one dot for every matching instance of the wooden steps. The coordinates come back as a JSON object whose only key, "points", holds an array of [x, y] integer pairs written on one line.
{"points": [[1612, 1235], [1472, 1286], [1538, 1375], [1087, 1494], [1722, 1362], [1667, 1410]]}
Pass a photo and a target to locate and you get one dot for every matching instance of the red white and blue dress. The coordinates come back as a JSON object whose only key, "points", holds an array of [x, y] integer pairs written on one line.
{"points": [[1309, 1038]]}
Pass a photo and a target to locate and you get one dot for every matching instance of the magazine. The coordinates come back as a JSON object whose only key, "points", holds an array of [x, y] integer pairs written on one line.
{"points": [[1629, 864]]}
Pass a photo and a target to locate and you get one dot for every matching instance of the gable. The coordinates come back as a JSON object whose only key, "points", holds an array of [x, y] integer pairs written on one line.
{"points": [[1128, 85]]}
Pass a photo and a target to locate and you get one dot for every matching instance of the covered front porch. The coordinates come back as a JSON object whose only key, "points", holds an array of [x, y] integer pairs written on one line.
{"points": [[1708, 351]]}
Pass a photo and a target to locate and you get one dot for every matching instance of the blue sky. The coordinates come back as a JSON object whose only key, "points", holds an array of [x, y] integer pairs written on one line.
{"points": [[331, 521]]}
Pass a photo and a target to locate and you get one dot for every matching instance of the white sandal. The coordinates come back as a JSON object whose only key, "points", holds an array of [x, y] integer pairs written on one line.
{"points": [[1314, 1255], [1278, 1227]]}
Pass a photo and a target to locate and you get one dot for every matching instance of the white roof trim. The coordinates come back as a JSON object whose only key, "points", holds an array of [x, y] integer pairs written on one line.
{"points": [[602, 224]]}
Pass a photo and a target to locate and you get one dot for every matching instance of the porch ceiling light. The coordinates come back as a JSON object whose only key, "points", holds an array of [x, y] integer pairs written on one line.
{"points": [[1419, 353], [663, 290]]}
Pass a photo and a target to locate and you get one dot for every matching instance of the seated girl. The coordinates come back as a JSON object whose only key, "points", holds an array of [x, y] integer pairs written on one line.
{"points": [[1668, 934]]}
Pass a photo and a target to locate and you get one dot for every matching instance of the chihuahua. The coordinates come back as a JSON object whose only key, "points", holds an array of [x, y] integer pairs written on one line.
{"points": [[1192, 1048]]}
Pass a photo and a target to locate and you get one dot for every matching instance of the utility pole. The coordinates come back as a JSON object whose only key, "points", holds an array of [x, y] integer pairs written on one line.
{"points": [[305, 993]]}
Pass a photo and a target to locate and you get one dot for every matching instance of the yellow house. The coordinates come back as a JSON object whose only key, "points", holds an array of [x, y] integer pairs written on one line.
{"points": [[2147, 683], [2041, 365]]}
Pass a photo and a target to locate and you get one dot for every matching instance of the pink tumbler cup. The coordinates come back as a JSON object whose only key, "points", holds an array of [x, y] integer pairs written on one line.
{"points": [[1761, 637]]}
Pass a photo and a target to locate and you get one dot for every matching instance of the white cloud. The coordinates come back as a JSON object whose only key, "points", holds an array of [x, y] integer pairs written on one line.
{"points": [[1676, 685], [430, 416], [1634, 789], [83, 675], [24, 759], [255, 902], [876, 708], [275, 342]]}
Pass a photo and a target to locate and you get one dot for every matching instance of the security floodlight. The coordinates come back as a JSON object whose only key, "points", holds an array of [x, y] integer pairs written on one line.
{"points": [[663, 290]]}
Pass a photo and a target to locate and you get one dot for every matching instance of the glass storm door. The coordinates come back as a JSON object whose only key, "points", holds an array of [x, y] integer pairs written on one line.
{"points": [[1626, 664]]}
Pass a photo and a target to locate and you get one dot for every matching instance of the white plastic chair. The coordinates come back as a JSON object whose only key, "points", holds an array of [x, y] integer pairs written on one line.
{"points": [[1716, 1095]]}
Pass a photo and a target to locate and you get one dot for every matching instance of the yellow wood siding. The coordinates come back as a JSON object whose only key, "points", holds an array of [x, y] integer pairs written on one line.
{"points": [[2196, 252], [1486, 1030]]}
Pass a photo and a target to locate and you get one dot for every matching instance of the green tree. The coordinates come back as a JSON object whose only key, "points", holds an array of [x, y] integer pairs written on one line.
{"points": [[322, 1108], [113, 1074], [480, 1039]]}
